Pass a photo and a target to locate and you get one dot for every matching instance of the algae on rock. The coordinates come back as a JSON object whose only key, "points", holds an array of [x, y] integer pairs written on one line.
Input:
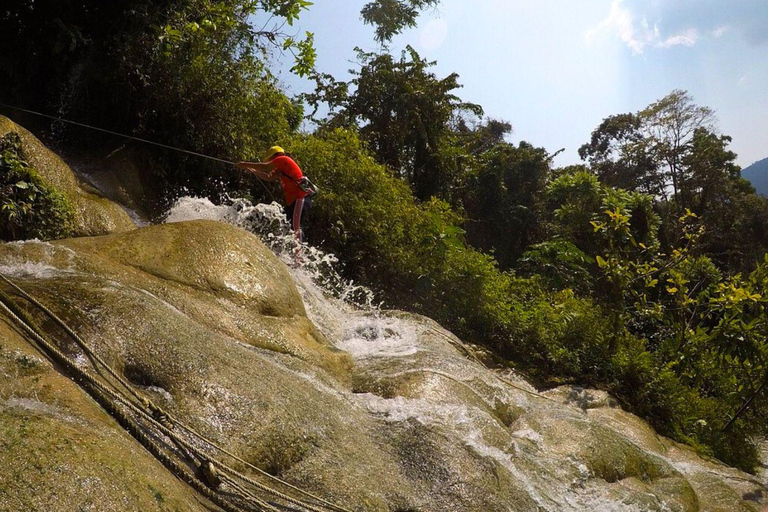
{"points": [[61, 452]]}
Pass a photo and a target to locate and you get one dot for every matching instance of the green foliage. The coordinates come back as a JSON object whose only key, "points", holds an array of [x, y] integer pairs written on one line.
{"points": [[305, 60], [669, 125], [608, 302], [648, 151], [390, 17], [413, 253], [583, 208], [190, 74], [503, 196], [561, 264], [560, 337], [621, 156], [404, 112], [706, 339], [366, 217], [29, 208]]}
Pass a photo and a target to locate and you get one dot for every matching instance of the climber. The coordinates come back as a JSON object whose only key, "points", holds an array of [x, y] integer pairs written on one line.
{"points": [[297, 188]]}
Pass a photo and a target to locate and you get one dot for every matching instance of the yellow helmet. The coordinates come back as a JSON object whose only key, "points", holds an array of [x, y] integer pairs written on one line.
{"points": [[273, 151]]}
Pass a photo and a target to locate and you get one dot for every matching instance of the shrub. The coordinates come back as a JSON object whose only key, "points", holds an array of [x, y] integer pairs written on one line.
{"points": [[30, 208]]}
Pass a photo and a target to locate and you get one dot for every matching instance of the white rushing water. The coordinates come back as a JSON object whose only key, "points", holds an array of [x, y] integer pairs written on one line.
{"points": [[50, 261], [346, 312], [268, 221]]}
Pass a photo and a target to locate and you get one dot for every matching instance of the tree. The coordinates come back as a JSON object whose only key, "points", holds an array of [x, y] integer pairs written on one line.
{"points": [[504, 196], [404, 113], [390, 17], [70, 40], [647, 151], [670, 125], [189, 73], [712, 175], [621, 155], [576, 201], [734, 217], [706, 327]]}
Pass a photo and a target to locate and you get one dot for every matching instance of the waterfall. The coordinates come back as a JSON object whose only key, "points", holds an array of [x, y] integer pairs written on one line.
{"points": [[426, 382]]}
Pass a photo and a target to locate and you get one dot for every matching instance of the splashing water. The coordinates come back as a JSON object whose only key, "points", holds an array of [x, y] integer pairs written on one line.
{"points": [[269, 223], [345, 312], [378, 336]]}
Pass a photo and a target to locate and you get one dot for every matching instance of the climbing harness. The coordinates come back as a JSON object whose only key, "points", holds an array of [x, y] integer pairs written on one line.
{"points": [[138, 139], [174, 444]]}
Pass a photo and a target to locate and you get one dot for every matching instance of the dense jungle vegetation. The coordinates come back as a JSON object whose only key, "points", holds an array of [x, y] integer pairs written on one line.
{"points": [[642, 271]]}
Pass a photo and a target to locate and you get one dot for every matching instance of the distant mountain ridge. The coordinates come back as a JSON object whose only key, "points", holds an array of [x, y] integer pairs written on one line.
{"points": [[757, 174]]}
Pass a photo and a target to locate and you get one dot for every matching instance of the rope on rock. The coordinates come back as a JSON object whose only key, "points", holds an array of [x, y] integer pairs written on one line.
{"points": [[212, 471], [91, 385], [80, 343]]}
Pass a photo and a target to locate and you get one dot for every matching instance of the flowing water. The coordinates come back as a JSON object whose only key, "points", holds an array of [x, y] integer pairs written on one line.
{"points": [[569, 450]]}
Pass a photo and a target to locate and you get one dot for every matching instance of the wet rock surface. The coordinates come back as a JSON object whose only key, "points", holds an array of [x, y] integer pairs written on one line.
{"points": [[372, 410]]}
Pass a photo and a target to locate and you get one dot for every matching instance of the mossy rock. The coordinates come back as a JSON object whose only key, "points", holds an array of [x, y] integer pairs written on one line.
{"points": [[217, 274], [93, 214], [60, 451]]}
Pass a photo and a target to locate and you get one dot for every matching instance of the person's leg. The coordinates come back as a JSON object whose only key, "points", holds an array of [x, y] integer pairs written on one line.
{"points": [[304, 222], [298, 209], [288, 210]]}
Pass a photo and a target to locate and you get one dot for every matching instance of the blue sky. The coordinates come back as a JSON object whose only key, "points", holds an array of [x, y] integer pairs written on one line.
{"points": [[556, 68]]}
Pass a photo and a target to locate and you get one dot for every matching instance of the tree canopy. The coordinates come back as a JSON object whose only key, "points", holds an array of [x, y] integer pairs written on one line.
{"points": [[390, 17]]}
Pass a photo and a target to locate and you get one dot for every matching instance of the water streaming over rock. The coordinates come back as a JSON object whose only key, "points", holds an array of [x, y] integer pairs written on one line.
{"points": [[280, 359], [569, 449]]}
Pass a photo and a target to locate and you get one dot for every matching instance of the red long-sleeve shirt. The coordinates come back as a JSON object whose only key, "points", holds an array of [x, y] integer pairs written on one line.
{"points": [[289, 173]]}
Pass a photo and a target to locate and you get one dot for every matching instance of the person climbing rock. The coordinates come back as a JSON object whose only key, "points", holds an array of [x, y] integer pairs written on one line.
{"points": [[298, 190]]}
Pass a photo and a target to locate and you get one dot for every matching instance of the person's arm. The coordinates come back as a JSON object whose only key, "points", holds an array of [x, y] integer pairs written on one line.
{"points": [[264, 170]]}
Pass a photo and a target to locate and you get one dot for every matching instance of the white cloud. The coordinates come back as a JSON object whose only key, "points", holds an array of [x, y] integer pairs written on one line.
{"points": [[639, 33], [643, 24], [621, 21], [721, 31], [686, 38]]}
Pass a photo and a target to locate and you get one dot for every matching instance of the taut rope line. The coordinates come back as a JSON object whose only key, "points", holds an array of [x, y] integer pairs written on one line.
{"points": [[139, 139]]}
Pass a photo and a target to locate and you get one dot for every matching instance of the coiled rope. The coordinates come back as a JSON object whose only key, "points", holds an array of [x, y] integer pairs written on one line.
{"points": [[211, 471]]}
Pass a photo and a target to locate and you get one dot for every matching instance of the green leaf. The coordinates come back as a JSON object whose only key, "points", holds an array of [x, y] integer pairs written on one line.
{"points": [[601, 262]]}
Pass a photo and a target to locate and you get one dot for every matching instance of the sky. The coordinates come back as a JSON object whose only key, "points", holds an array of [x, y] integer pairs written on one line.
{"points": [[555, 69]]}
